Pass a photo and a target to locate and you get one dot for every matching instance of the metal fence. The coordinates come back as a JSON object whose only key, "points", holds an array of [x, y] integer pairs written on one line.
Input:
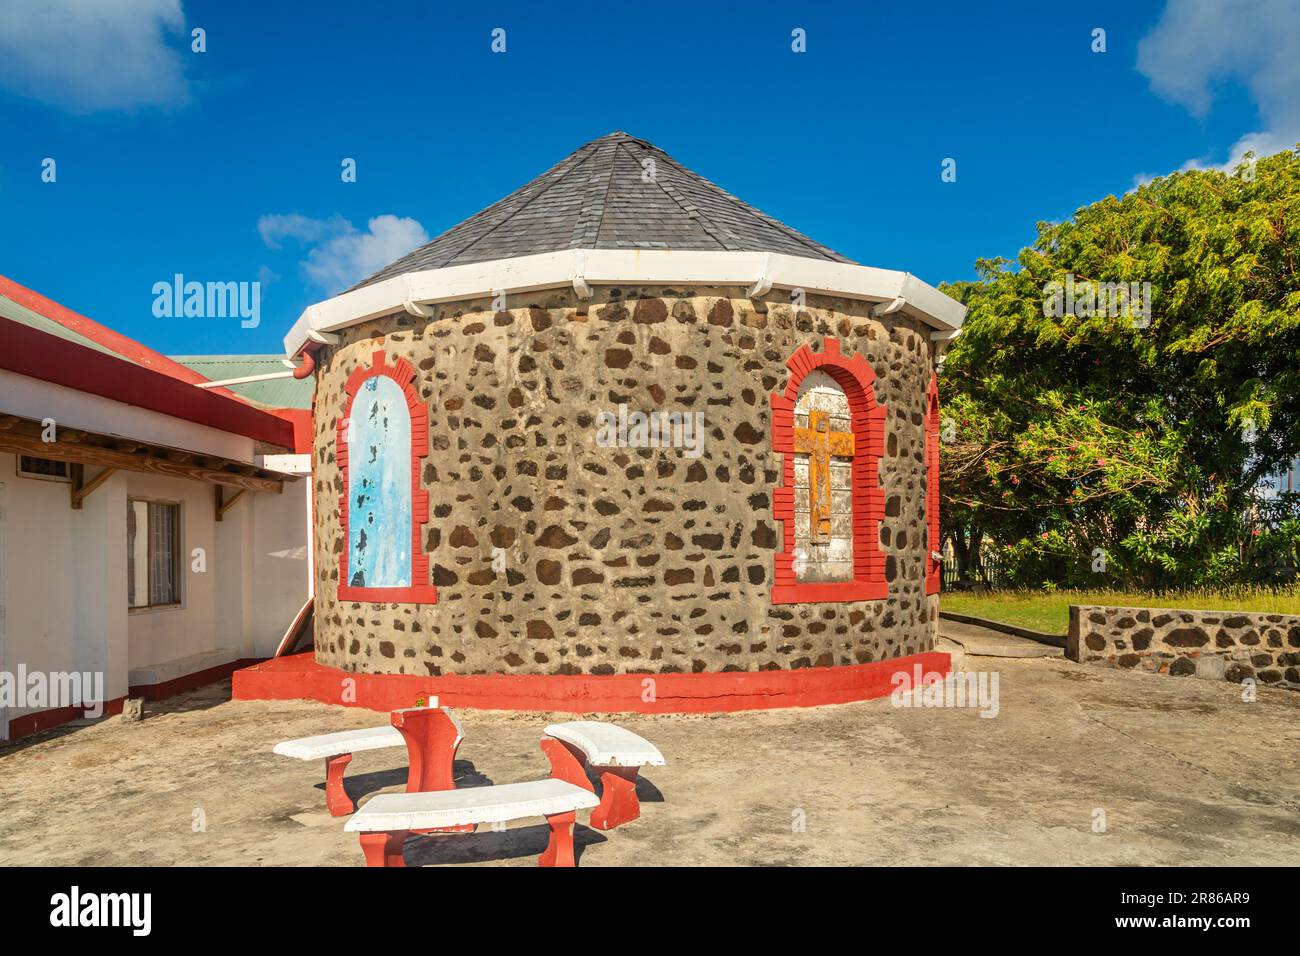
{"points": [[988, 572]]}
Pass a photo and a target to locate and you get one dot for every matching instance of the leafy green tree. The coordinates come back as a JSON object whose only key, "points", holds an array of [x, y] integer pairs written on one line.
{"points": [[1128, 426]]}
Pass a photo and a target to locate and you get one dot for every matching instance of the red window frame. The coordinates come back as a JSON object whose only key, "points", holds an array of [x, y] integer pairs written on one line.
{"points": [[857, 378], [933, 568], [419, 591]]}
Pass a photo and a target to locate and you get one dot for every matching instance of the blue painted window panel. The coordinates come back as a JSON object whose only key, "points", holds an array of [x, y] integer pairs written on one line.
{"points": [[379, 487]]}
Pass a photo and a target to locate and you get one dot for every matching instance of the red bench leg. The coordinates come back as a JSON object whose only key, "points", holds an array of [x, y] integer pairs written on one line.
{"points": [[618, 802], [567, 763], [559, 849], [336, 798], [383, 849]]}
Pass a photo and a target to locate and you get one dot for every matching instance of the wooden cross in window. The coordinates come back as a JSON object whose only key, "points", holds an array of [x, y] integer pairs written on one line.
{"points": [[819, 443]]}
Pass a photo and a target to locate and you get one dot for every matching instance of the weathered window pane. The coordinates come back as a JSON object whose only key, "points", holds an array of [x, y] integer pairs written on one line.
{"points": [[823, 481], [163, 556], [153, 554], [137, 553], [44, 467]]}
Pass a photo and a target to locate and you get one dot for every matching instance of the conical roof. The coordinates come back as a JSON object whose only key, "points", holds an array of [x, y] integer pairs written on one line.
{"points": [[605, 195]]}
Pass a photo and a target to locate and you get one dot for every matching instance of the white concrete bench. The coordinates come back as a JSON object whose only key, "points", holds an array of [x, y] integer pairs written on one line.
{"points": [[337, 749], [386, 819], [616, 753]]}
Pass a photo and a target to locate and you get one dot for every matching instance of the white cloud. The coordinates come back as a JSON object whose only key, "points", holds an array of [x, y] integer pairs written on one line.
{"points": [[276, 227], [89, 55], [1201, 43], [342, 255]]}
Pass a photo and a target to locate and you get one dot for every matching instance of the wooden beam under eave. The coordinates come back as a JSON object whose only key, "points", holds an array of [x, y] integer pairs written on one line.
{"points": [[12, 441], [81, 491], [224, 506]]}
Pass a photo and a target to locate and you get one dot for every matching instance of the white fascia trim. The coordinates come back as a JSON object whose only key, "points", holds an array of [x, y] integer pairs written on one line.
{"points": [[286, 464], [36, 399], [553, 270]]}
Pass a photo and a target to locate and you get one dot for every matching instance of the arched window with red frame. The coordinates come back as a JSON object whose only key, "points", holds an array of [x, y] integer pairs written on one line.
{"points": [[933, 564], [811, 492], [382, 435]]}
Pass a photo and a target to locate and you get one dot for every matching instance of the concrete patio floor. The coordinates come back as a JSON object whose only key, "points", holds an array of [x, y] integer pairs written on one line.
{"points": [[1184, 771]]}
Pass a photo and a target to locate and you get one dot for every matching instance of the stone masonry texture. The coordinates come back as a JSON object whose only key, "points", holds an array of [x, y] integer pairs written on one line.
{"points": [[1227, 645], [618, 560]]}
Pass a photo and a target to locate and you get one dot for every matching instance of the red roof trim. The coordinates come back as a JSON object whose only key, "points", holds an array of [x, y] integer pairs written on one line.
{"points": [[303, 435], [115, 342], [26, 351]]}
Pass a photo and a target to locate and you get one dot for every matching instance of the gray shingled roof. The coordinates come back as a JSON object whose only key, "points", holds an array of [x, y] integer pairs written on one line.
{"points": [[598, 198]]}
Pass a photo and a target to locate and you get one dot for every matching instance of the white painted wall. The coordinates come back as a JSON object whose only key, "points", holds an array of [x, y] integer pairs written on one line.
{"points": [[58, 585], [39, 573], [63, 575], [281, 564], [164, 634]]}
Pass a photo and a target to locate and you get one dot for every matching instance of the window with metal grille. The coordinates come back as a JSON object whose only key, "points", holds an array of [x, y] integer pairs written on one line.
{"points": [[152, 554]]}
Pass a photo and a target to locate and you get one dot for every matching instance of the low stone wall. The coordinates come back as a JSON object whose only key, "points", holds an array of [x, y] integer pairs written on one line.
{"points": [[1223, 645]]}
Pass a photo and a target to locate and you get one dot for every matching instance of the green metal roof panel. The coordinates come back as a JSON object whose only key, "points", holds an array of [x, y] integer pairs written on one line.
{"points": [[284, 392]]}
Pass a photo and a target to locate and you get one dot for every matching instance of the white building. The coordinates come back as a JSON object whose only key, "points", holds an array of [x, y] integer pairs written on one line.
{"points": [[153, 533]]}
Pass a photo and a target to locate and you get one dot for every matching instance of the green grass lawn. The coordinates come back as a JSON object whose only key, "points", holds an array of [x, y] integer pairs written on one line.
{"points": [[1049, 611]]}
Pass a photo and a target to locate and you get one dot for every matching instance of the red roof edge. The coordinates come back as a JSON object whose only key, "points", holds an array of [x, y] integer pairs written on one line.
{"points": [[27, 351], [115, 342], [302, 430]]}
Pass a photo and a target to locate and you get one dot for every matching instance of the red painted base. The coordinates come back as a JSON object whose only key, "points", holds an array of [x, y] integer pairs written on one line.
{"points": [[28, 724], [298, 676], [178, 685]]}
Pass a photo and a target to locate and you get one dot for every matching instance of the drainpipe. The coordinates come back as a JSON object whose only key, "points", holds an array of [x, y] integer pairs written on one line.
{"points": [[310, 349], [308, 363]]}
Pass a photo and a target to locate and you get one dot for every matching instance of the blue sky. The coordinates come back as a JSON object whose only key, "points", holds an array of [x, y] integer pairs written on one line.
{"points": [[168, 160]]}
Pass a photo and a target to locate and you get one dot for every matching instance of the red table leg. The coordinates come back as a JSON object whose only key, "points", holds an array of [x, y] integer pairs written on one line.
{"points": [[432, 739], [336, 797], [383, 849], [559, 849], [618, 802]]}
